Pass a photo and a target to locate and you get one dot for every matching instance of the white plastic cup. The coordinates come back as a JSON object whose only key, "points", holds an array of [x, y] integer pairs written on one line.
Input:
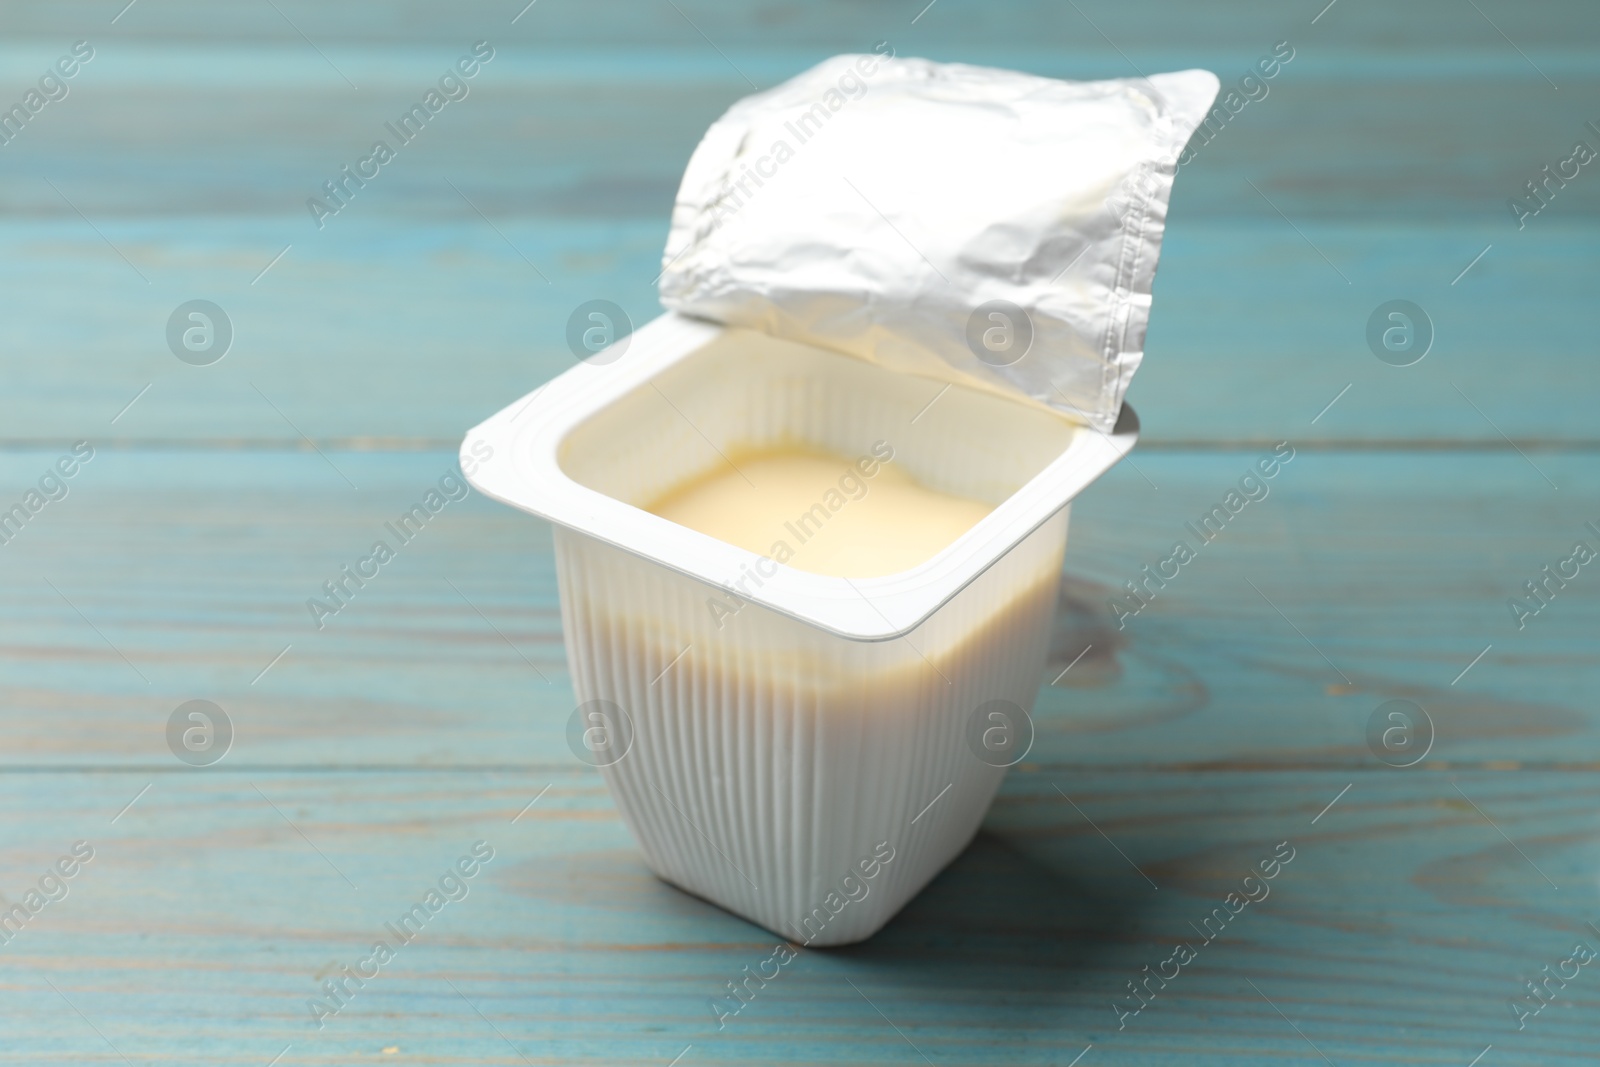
{"points": [[804, 751]]}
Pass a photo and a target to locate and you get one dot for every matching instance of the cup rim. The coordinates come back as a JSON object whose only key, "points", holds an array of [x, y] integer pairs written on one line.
{"points": [[524, 472]]}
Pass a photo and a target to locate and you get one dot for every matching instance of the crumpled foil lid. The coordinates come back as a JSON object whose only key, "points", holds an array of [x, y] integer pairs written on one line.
{"points": [[972, 225]]}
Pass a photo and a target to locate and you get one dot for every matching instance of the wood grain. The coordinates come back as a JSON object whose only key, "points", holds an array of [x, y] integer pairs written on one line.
{"points": [[180, 165], [197, 933], [196, 567], [1227, 716], [373, 334]]}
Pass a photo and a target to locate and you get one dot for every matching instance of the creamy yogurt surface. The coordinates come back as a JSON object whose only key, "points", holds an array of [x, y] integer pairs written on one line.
{"points": [[817, 512]]}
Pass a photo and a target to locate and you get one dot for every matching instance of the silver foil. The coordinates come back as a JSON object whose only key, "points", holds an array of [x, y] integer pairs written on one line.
{"points": [[966, 224]]}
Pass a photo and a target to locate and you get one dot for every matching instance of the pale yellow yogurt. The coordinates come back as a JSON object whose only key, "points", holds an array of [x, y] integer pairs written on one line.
{"points": [[860, 518]]}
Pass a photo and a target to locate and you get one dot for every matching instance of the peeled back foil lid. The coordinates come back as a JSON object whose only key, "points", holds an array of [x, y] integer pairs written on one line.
{"points": [[978, 226]]}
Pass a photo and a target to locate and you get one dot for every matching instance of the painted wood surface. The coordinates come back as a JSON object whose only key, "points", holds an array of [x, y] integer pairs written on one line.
{"points": [[416, 331], [1227, 716], [208, 919], [1378, 167], [171, 576]]}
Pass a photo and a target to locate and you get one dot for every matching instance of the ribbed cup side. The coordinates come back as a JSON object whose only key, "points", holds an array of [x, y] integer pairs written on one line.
{"points": [[770, 759]]}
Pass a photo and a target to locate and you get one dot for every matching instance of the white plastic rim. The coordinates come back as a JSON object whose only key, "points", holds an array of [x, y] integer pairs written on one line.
{"points": [[526, 472], [812, 759]]}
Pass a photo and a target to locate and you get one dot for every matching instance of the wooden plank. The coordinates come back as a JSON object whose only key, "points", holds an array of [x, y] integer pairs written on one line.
{"points": [[207, 920], [419, 332], [255, 129], [420, 308], [1391, 571], [1422, 25], [1229, 714]]}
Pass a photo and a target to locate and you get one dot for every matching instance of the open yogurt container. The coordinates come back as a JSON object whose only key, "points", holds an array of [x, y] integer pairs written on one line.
{"points": [[808, 751], [770, 743]]}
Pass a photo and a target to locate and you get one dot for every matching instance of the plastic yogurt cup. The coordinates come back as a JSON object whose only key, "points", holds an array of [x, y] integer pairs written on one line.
{"points": [[805, 751]]}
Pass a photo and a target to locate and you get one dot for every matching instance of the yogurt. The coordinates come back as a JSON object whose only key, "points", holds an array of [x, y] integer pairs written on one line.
{"points": [[822, 513]]}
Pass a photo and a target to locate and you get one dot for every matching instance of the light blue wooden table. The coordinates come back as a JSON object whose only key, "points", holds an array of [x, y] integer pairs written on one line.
{"points": [[1229, 716]]}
